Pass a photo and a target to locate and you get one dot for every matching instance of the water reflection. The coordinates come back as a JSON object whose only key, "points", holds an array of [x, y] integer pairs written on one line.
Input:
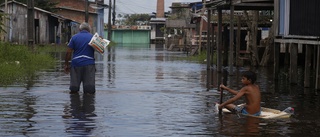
{"points": [[233, 125], [79, 115], [16, 113], [146, 91]]}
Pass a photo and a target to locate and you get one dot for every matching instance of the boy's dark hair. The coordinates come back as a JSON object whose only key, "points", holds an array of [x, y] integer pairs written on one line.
{"points": [[250, 76]]}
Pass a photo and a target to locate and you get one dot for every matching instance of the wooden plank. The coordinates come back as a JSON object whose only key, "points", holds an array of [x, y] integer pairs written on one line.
{"points": [[256, 0], [244, 58], [244, 52], [310, 42]]}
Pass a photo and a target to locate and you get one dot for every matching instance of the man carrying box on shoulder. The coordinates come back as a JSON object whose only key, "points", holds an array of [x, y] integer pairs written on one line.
{"points": [[82, 67]]}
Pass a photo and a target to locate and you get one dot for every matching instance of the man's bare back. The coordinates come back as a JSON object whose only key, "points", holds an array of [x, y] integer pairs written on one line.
{"points": [[253, 98]]}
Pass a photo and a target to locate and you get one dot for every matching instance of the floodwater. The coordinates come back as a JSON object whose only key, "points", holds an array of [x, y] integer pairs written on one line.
{"points": [[145, 91]]}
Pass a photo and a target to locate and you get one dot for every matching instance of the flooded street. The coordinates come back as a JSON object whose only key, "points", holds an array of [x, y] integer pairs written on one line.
{"points": [[145, 91]]}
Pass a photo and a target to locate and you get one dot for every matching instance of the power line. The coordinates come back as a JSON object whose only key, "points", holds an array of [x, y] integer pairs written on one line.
{"points": [[128, 6]]}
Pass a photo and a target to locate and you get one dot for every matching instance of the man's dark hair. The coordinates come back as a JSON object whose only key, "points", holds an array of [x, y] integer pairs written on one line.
{"points": [[250, 76]]}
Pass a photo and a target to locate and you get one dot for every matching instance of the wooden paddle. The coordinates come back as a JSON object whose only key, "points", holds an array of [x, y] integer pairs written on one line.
{"points": [[221, 97]]}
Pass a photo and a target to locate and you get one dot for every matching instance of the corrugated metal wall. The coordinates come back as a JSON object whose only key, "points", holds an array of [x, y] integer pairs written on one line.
{"points": [[304, 17]]}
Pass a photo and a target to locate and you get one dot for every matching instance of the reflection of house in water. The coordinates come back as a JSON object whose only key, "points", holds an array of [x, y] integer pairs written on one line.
{"points": [[49, 27]]}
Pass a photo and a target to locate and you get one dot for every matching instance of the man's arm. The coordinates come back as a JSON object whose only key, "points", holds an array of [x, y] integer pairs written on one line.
{"points": [[67, 59], [235, 98], [229, 89]]}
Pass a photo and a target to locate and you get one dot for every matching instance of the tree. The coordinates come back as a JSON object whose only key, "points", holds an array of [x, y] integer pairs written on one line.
{"points": [[135, 19], [180, 12]]}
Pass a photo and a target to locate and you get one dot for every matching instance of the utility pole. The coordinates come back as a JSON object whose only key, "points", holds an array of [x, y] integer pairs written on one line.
{"points": [[109, 21], [86, 11], [4, 35], [114, 12], [30, 23]]}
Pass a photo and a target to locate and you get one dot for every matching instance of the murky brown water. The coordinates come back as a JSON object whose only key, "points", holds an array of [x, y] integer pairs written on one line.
{"points": [[146, 91]]}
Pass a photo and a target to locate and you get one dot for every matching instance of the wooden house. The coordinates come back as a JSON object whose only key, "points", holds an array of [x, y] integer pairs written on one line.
{"points": [[76, 10], [226, 51], [179, 34], [49, 27], [296, 25], [157, 35]]}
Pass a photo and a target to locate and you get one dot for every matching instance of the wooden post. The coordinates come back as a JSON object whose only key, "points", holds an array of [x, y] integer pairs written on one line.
{"points": [[30, 23], [307, 66], [315, 53], [114, 13], [238, 41], [86, 4], [5, 22], [293, 63], [276, 17], [208, 52], [219, 81], [276, 60], [276, 47], [318, 69], [109, 21], [55, 34], [219, 41], [286, 54], [200, 35], [254, 33], [231, 41]]}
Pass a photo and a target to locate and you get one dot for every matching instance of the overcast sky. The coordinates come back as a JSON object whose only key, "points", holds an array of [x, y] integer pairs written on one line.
{"points": [[140, 6]]}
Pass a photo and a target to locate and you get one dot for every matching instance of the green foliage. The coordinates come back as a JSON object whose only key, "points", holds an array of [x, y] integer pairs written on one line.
{"points": [[202, 57], [51, 48], [135, 19], [179, 14], [46, 5], [18, 63]]}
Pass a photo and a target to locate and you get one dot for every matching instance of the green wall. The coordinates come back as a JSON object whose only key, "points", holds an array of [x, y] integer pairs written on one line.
{"points": [[130, 36]]}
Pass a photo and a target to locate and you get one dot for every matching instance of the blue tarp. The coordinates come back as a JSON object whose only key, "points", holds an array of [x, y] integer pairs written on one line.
{"points": [[197, 6]]}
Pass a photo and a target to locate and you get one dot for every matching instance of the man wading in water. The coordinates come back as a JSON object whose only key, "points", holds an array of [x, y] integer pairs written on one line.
{"points": [[82, 67]]}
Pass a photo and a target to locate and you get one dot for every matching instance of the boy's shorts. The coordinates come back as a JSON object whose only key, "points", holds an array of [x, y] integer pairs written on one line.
{"points": [[241, 109]]}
